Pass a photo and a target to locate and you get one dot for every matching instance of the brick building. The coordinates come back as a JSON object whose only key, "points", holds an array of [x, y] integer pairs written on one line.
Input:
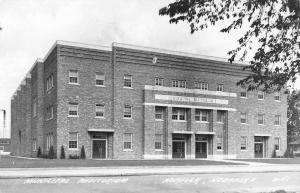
{"points": [[131, 102]]}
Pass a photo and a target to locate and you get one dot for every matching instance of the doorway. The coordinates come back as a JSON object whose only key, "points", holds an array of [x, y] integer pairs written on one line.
{"points": [[258, 150], [99, 149], [201, 149], [178, 149]]}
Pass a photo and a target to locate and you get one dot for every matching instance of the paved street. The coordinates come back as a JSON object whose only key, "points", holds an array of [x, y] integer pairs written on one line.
{"points": [[207, 183]]}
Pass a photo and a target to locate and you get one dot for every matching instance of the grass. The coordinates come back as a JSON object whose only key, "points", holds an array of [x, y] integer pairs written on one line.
{"points": [[12, 162], [274, 160]]}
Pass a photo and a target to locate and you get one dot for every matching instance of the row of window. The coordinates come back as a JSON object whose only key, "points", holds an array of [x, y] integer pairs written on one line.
{"points": [[261, 119], [100, 77]]}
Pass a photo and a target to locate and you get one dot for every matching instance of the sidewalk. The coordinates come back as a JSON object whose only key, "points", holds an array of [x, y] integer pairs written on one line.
{"points": [[12, 173]]}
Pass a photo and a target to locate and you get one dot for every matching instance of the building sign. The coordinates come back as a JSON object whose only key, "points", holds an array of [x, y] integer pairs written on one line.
{"points": [[190, 99]]}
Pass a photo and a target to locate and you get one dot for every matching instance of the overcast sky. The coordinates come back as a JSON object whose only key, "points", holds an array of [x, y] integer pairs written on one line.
{"points": [[30, 28]]}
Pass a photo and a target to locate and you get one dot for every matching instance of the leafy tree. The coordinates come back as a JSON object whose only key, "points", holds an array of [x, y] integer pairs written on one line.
{"points": [[51, 154], [39, 152], [273, 25], [82, 153], [293, 124], [62, 152], [274, 153]]}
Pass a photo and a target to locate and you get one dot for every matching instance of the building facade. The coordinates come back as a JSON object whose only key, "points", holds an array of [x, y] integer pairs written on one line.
{"points": [[4, 145], [131, 102]]}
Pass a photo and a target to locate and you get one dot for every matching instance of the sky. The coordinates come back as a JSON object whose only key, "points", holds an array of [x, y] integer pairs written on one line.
{"points": [[31, 27]]}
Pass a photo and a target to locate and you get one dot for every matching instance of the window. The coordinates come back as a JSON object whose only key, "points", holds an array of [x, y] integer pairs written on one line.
{"points": [[159, 113], [260, 95], [201, 115], [277, 143], [178, 114], [220, 87], [243, 117], [127, 111], [73, 77], [73, 140], [158, 141], [243, 142], [219, 142], [34, 108], [201, 85], [34, 145], [127, 141], [159, 81], [99, 110], [243, 93], [73, 109], [100, 79], [277, 96], [127, 81], [277, 120], [221, 115], [179, 83], [49, 82], [49, 112], [261, 119], [49, 141]]}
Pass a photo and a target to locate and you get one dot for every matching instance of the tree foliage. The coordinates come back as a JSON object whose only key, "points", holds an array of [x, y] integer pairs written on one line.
{"points": [[82, 153], [293, 124], [273, 25], [62, 153]]}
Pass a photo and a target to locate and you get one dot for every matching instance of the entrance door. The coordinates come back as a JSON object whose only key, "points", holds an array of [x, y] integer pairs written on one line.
{"points": [[258, 150], [201, 149], [99, 149], [178, 150]]}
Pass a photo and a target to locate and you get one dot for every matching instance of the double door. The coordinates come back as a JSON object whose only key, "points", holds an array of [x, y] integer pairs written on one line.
{"points": [[99, 149]]}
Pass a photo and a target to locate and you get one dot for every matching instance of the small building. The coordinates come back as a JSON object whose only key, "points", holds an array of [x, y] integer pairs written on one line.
{"points": [[4, 146]]}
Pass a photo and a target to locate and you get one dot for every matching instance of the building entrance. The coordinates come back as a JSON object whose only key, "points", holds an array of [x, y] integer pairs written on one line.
{"points": [[99, 149], [201, 149], [258, 150], [178, 149]]}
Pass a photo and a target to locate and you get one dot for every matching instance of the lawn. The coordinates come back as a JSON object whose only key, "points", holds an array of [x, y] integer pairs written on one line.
{"points": [[12, 162], [274, 160]]}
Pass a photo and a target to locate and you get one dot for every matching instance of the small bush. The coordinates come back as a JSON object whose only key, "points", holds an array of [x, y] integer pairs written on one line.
{"points": [[51, 154], [62, 153], [39, 152], [73, 156], [82, 153], [274, 153]]}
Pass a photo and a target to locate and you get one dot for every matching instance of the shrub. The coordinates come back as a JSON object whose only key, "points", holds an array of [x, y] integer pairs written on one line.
{"points": [[62, 153], [82, 153], [73, 157], [274, 153], [39, 152], [51, 154]]}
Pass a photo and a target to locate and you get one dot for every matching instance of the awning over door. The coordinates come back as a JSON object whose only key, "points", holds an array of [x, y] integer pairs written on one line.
{"points": [[101, 130], [183, 132], [205, 133], [262, 135]]}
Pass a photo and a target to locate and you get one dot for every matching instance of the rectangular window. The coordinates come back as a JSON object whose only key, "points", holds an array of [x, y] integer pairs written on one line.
{"points": [[260, 95], [73, 77], [73, 140], [201, 115], [220, 87], [34, 145], [99, 110], [99, 79], [243, 93], [221, 115], [158, 141], [34, 108], [179, 83], [127, 141], [178, 114], [49, 82], [243, 117], [49, 112], [73, 109], [261, 119], [277, 120], [243, 142], [159, 81], [277, 96], [159, 113], [127, 111], [277, 143], [49, 141], [201, 85], [219, 142], [128, 81]]}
